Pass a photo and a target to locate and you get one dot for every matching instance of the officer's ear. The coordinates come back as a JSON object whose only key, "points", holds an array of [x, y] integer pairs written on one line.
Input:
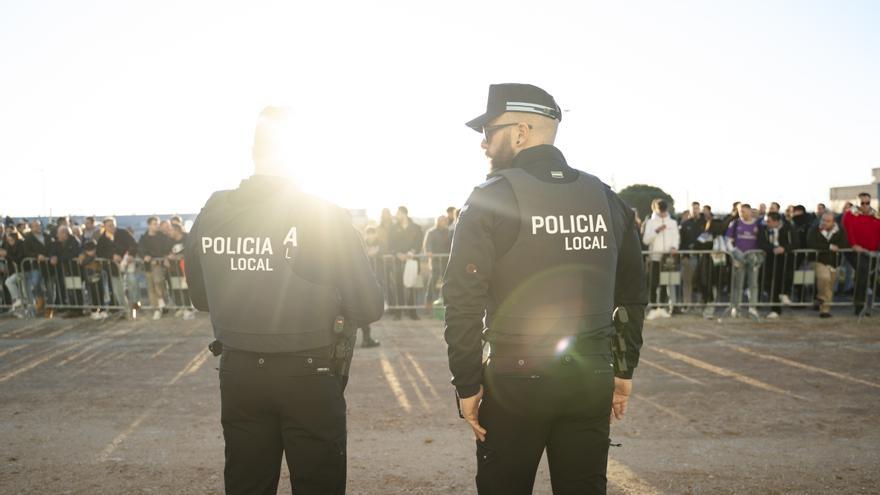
{"points": [[521, 133]]}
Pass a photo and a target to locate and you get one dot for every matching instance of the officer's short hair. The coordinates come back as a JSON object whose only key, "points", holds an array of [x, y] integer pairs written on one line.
{"points": [[403, 209], [864, 195], [774, 215], [800, 208], [152, 219], [176, 219], [662, 206]]}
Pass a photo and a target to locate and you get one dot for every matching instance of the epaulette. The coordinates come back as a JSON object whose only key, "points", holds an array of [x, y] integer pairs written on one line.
{"points": [[489, 182]]}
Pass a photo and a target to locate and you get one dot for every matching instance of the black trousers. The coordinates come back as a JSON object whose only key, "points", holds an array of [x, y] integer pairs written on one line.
{"points": [[273, 404], [864, 267], [565, 411], [778, 277], [655, 284]]}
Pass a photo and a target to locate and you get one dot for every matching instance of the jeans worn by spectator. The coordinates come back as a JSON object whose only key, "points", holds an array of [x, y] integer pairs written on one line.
{"points": [[438, 268], [13, 284], [746, 269]]}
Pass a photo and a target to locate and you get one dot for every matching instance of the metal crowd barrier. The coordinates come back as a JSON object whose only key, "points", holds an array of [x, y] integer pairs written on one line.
{"points": [[97, 284], [423, 293], [692, 279], [682, 280], [756, 279]]}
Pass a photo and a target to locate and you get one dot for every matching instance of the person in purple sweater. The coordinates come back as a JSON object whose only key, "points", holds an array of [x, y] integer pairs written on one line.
{"points": [[742, 243]]}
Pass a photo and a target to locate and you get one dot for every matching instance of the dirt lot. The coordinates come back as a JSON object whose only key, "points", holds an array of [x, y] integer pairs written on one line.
{"points": [[736, 407]]}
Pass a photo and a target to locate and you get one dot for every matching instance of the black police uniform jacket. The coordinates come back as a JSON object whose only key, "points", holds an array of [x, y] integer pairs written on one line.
{"points": [[544, 252], [275, 267]]}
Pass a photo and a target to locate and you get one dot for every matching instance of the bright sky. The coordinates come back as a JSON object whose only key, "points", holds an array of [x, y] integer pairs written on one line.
{"points": [[142, 107]]}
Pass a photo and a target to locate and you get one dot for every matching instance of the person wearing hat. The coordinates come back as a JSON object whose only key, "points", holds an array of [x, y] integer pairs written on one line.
{"points": [[546, 253], [275, 268]]}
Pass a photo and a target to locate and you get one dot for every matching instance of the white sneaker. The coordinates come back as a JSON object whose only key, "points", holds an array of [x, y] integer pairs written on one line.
{"points": [[785, 299], [161, 303], [772, 315], [709, 313], [653, 314], [157, 314], [734, 313], [15, 305], [178, 313], [754, 313], [97, 315], [664, 313], [103, 315], [189, 314]]}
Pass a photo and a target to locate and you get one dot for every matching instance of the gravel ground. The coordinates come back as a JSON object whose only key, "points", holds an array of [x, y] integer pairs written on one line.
{"points": [[116, 406]]}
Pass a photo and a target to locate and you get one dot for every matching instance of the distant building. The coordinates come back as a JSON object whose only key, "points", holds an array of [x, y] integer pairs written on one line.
{"points": [[840, 195]]}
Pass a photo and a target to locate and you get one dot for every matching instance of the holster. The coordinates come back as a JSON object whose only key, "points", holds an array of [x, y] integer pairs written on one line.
{"points": [[342, 350]]}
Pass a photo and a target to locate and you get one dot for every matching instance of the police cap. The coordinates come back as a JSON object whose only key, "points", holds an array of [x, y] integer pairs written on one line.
{"points": [[512, 97]]}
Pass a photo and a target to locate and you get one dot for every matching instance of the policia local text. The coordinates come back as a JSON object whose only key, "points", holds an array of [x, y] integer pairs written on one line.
{"points": [[574, 224]]}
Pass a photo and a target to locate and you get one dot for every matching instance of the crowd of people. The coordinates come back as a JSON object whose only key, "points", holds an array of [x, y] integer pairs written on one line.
{"points": [[65, 252], [752, 253], [396, 240], [749, 254]]}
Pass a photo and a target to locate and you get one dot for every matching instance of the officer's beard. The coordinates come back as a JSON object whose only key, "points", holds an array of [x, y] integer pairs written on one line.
{"points": [[503, 158]]}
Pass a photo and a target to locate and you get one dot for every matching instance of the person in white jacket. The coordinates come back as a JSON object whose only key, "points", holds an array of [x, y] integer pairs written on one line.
{"points": [[661, 236]]}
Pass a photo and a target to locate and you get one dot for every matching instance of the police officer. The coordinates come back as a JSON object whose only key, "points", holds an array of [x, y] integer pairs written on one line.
{"points": [[275, 267], [546, 253]]}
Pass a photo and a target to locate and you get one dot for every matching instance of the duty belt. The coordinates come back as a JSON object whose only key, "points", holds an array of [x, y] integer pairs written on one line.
{"points": [[526, 360], [316, 362]]}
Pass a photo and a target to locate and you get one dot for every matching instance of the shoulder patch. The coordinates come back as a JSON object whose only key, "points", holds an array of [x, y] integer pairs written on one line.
{"points": [[489, 182]]}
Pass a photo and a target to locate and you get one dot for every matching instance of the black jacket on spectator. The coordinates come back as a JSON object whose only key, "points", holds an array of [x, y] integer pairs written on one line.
{"points": [[67, 250], [33, 247], [787, 238], [801, 225], [121, 244], [156, 246], [817, 241], [14, 255], [689, 231], [438, 241], [405, 240], [715, 227]]}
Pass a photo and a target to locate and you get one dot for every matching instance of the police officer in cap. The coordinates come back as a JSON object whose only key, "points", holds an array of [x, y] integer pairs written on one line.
{"points": [[546, 253], [275, 267]]}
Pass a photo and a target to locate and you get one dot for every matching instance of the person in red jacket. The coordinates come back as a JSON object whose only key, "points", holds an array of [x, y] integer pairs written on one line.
{"points": [[863, 230]]}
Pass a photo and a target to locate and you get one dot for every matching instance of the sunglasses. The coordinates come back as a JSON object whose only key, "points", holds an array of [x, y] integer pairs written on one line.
{"points": [[488, 131]]}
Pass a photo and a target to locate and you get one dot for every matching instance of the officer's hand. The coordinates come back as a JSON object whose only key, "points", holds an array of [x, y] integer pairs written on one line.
{"points": [[622, 389], [470, 409], [778, 250]]}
